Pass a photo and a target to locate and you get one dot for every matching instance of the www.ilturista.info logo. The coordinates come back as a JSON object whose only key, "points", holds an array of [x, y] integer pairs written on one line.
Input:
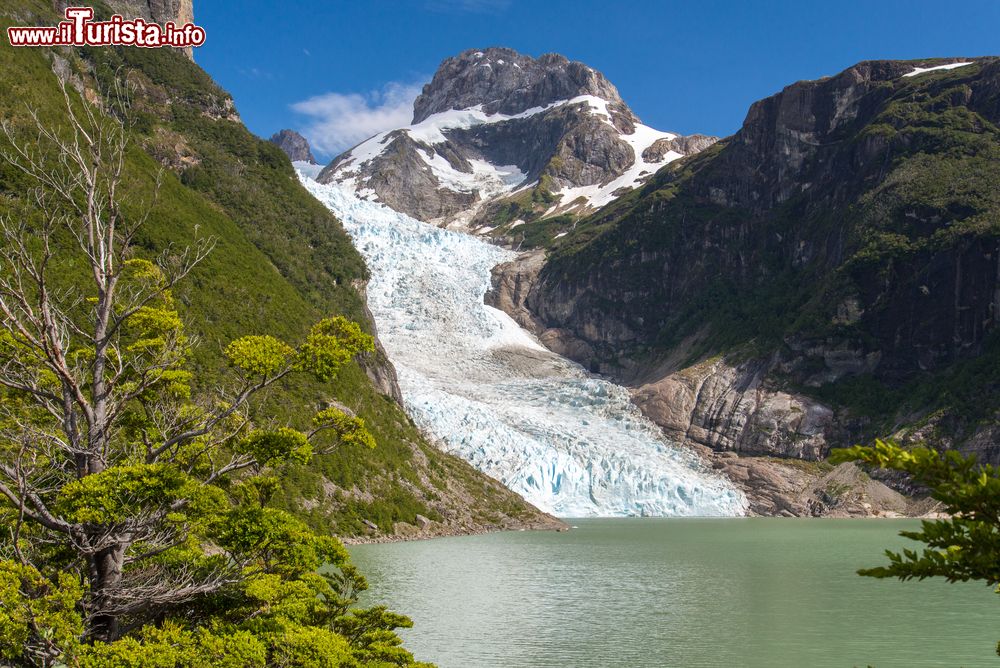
{"points": [[79, 30]]}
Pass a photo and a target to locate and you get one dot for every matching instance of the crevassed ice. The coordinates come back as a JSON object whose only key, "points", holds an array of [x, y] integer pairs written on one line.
{"points": [[472, 379]]}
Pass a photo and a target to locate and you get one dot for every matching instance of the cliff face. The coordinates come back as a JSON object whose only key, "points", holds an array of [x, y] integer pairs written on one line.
{"points": [[840, 253], [729, 408], [160, 11]]}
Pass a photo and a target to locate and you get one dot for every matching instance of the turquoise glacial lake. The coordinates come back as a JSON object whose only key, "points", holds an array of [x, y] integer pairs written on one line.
{"points": [[634, 593]]}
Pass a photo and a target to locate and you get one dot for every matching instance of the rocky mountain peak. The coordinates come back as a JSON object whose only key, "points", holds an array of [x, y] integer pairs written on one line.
{"points": [[500, 139], [295, 146], [507, 82]]}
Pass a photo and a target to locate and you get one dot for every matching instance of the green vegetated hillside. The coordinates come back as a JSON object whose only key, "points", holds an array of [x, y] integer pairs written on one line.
{"points": [[282, 263], [848, 236]]}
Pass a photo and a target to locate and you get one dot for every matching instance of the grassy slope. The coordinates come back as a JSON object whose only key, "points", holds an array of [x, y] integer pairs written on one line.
{"points": [[282, 262]]}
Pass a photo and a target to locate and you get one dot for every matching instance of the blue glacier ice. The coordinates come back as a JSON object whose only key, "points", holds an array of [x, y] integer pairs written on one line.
{"points": [[484, 389]]}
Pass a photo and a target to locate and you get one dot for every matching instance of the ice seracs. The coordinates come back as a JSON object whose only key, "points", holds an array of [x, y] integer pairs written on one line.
{"points": [[486, 390], [309, 169]]}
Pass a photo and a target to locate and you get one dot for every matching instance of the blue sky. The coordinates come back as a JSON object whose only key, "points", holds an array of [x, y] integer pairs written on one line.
{"points": [[340, 70]]}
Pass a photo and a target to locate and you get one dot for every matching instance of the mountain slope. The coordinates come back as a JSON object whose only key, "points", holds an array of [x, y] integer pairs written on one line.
{"points": [[282, 262], [840, 253], [499, 139]]}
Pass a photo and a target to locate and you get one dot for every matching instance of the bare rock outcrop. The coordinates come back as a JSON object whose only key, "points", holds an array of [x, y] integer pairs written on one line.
{"points": [[688, 145], [159, 11], [768, 441], [805, 252], [715, 403], [731, 407], [511, 285], [295, 146], [790, 488], [506, 82]]}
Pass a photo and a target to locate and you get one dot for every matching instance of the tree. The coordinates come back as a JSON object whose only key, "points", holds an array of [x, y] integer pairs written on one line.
{"points": [[140, 530], [964, 547]]}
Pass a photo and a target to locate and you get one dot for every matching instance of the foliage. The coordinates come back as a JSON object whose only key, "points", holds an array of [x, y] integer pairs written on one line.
{"points": [[39, 614], [281, 262], [270, 620], [137, 488], [962, 393], [280, 445], [964, 547], [250, 179], [330, 345], [528, 207], [541, 233], [262, 355]]}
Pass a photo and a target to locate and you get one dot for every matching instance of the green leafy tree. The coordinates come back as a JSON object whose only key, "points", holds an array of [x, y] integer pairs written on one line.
{"points": [[140, 530], [964, 547]]}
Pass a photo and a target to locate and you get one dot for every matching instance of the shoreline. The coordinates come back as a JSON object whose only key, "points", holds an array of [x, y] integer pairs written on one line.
{"points": [[566, 524], [412, 533]]}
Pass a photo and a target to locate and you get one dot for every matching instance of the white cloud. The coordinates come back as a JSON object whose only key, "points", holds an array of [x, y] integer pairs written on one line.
{"points": [[338, 121], [256, 73]]}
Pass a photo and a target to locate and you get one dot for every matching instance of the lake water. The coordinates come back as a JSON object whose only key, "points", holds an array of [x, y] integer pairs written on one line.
{"points": [[678, 592]]}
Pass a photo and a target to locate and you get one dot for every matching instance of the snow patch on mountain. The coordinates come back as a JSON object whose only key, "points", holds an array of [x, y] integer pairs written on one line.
{"points": [[486, 179], [490, 180], [485, 389], [431, 131], [922, 70], [597, 195]]}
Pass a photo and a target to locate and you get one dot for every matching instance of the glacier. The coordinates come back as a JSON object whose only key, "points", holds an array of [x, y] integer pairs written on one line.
{"points": [[483, 388]]}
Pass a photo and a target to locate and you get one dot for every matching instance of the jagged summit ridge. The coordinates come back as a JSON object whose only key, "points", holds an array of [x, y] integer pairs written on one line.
{"points": [[295, 146], [503, 81], [499, 137]]}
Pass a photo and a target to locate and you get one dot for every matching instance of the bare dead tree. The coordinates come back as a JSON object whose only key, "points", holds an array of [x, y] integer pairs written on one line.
{"points": [[72, 368]]}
